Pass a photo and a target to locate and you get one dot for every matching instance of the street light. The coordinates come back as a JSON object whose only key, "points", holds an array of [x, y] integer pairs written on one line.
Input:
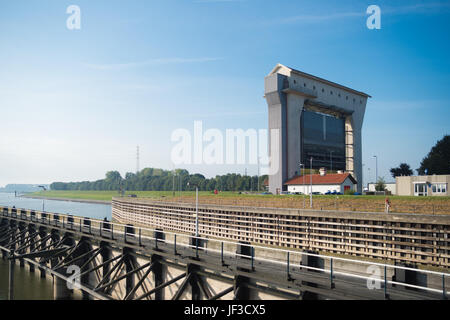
{"points": [[310, 182], [304, 187], [331, 159], [196, 208], [257, 187], [376, 169], [43, 200]]}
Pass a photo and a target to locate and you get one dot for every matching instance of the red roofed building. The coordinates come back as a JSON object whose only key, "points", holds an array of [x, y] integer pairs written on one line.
{"points": [[323, 182]]}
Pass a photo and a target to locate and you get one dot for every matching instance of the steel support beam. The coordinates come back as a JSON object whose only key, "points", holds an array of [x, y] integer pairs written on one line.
{"points": [[165, 284]]}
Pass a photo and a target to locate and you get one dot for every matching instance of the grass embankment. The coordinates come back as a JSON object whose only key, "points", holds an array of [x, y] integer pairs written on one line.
{"points": [[436, 205]]}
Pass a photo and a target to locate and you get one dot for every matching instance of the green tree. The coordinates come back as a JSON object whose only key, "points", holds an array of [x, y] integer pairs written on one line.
{"points": [[438, 159], [402, 170], [381, 185]]}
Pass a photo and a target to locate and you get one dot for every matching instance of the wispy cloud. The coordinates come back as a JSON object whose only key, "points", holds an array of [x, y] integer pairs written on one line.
{"points": [[310, 18], [419, 8], [150, 62]]}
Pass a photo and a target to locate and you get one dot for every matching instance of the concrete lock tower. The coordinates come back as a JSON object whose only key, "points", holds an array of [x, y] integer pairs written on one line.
{"points": [[315, 118]]}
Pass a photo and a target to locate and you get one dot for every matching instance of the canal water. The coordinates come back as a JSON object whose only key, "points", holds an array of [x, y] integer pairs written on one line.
{"points": [[29, 286]]}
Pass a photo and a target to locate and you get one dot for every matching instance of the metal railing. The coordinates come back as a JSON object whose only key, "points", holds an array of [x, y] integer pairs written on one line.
{"points": [[256, 256]]}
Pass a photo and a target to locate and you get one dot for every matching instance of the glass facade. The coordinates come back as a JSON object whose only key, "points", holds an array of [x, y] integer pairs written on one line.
{"points": [[323, 139]]}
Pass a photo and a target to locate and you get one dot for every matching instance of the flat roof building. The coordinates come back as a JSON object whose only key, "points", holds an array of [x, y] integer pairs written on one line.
{"points": [[434, 185], [312, 118]]}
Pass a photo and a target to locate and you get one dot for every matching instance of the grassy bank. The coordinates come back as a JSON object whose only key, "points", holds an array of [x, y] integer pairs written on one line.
{"points": [[108, 195], [424, 205]]}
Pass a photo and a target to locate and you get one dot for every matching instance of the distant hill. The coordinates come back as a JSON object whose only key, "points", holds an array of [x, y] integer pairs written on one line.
{"points": [[23, 187]]}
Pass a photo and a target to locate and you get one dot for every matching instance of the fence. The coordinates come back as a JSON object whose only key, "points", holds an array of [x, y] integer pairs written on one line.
{"points": [[391, 237], [289, 260]]}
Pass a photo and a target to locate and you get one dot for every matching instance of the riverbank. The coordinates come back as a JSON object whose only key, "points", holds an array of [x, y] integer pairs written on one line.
{"points": [[68, 199]]}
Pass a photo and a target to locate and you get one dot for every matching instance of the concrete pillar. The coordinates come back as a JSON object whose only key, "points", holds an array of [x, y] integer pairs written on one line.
{"points": [[31, 230], [241, 291], [54, 238], [106, 254], [89, 279], [130, 263], [42, 245], [12, 264], [195, 289], [22, 227], [61, 290], [158, 276]]}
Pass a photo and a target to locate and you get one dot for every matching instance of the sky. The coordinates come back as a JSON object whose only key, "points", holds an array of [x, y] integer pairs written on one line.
{"points": [[74, 104]]}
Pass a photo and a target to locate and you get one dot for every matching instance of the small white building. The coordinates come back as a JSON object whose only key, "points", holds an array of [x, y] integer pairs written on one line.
{"points": [[322, 183], [389, 186]]}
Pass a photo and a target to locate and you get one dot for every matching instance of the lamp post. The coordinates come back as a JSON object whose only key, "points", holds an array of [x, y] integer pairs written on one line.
{"points": [[376, 169], [257, 187], [362, 176], [310, 182], [196, 209], [331, 160], [304, 187], [43, 199]]}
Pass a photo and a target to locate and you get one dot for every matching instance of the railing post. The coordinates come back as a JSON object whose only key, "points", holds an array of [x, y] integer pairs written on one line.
{"points": [[331, 273], [112, 231], [221, 253], [385, 282], [140, 237], [196, 246], [100, 228], [175, 244], [253, 257], [287, 265], [444, 295]]}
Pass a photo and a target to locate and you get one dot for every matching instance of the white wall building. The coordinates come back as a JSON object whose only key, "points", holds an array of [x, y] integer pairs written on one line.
{"points": [[390, 186], [339, 182]]}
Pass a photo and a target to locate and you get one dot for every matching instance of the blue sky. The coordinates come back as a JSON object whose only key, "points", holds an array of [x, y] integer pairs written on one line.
{"points": [[75, 103]]}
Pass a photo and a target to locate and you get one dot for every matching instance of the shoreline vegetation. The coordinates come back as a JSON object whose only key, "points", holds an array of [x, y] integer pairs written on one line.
{"points": [[424, 205]]}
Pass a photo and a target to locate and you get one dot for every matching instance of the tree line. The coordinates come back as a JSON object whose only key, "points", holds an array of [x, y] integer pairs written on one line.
{"points": [[152, 179], [437, 161]]}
